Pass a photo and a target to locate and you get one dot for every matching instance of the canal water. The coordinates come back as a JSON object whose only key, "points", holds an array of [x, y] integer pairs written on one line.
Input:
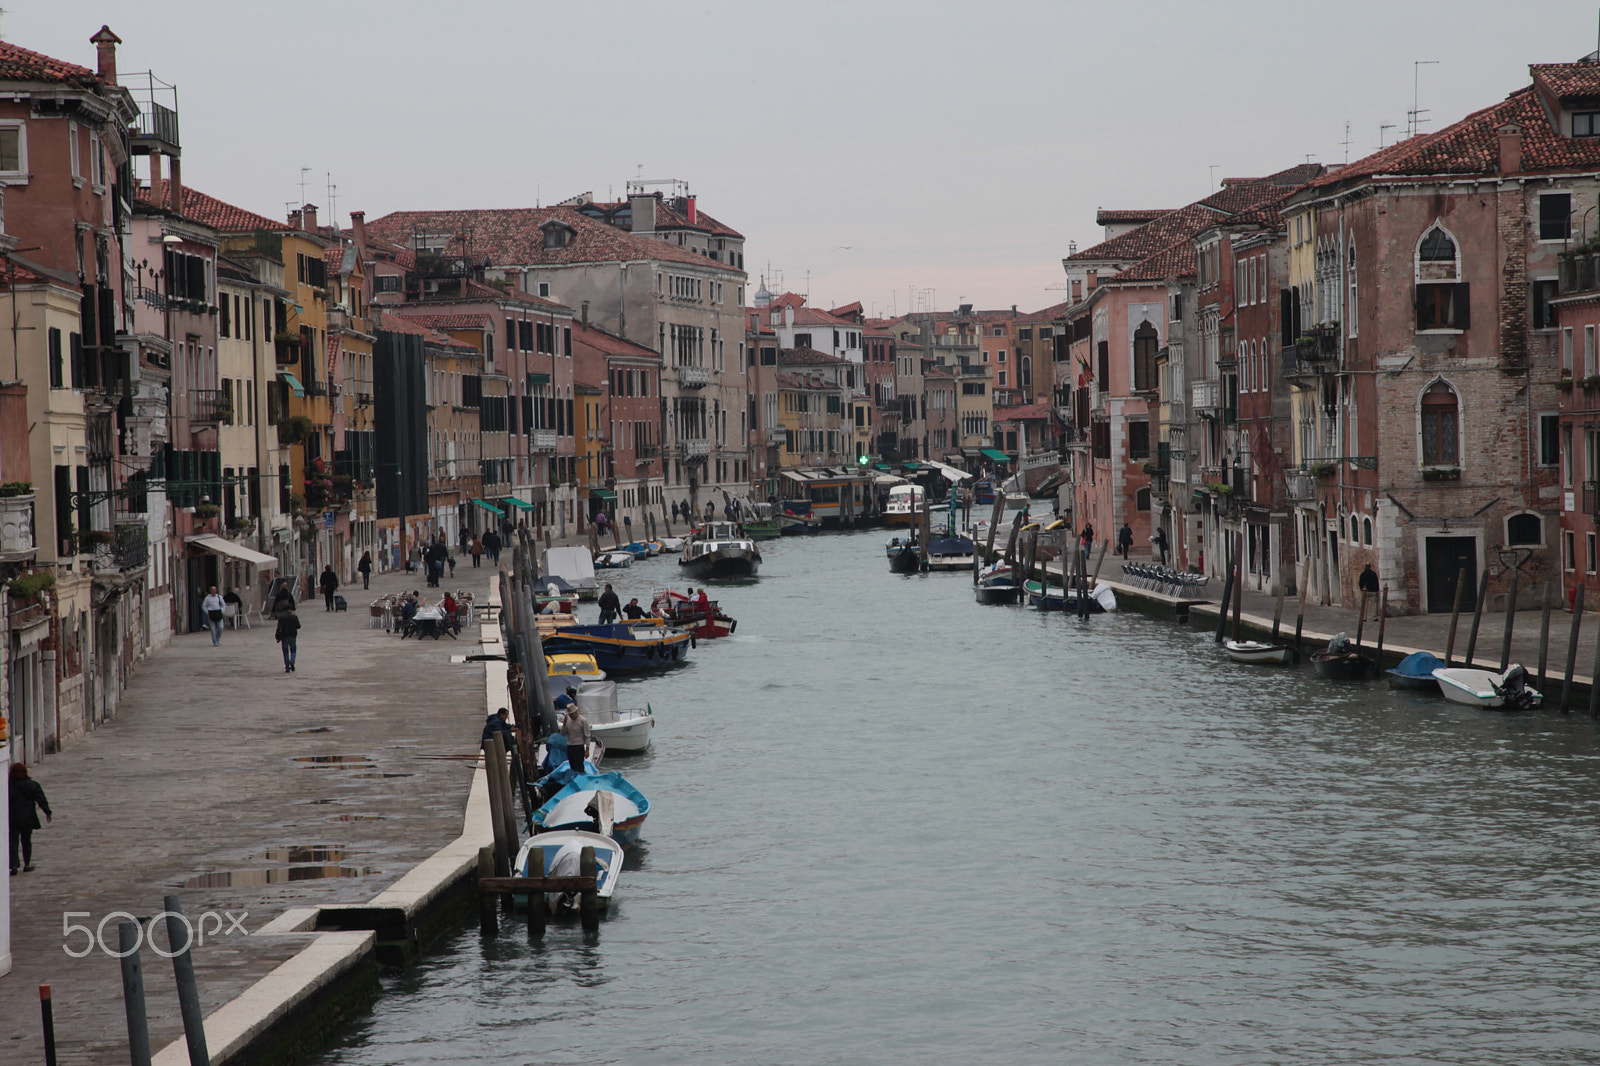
{"points": [[892, 826]]}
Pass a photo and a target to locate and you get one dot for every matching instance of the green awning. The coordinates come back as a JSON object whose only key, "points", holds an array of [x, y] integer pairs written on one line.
{"points": [[882, 466], [491, 508], [602, 494], [294, 383], [910, 466], [997, 456], [513, 501]]}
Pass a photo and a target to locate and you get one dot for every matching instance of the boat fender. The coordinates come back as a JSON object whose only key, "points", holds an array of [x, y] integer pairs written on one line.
{"points": [[691, 644], [733, 626], [650, 651]]}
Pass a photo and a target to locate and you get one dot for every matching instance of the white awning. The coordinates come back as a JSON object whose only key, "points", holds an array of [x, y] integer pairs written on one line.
{"points": [[889, 479], [950, 473], [218, 546]]}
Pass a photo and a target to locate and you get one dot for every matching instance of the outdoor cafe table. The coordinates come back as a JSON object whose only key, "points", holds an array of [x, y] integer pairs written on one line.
{"points": [[430, 622]]}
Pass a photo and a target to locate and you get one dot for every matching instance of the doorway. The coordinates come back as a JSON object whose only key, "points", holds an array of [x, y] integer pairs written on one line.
{"points": [[1333, 587], [1447, 559]]}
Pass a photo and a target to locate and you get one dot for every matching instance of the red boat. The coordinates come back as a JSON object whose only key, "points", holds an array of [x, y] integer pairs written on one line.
{"points": [[705, 621]]}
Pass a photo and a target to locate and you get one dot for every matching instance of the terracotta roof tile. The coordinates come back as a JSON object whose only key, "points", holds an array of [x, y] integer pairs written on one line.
{"points": [[209, 211], [610, 343], [1568, 80], [19, 64], [444, 320], [513, 237], [390, 322], [1173, 262], [1023, 413], [1114, 216], [806, 357]]}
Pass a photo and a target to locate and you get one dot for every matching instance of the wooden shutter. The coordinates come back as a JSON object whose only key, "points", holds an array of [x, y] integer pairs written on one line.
{"points": [[1462, 309], [1418, 297], [1286, 317]]}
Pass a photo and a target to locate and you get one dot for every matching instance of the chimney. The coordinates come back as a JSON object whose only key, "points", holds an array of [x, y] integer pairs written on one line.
{"points": [[586, 314], [294, 220], [1013, 309], [691, 212], [788, 316], [1510, 137], [174, 184], [643, 211], [358, 230], [308, 218], [105, 43]]}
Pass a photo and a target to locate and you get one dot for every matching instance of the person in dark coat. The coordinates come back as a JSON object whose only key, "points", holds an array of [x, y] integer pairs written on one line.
{"points": [[1124, 539], [500, 722], [288, 636], [1368, 582], [365, 568], [27, 800], [610, 606], [329, 584], [491, 545], [1160, 541]]}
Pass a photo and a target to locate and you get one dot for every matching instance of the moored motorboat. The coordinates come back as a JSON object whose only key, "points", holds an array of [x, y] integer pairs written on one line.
{"points": [[613, 560], [706, 621], [576, 568], [903, 505], [1255, 651], [1414, 673], [719, 550], [571, 668], [621, 649], [1045, 598], [1486, 688], [798, 517], [606, 803], [998, 588], [623, 730], [946, 554], [558, 854]]}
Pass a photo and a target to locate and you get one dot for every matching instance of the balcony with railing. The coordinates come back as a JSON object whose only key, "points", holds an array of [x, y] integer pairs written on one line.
{"points": [[694, 377], [541, 440], [777, 437], [102, 436], [693, 449], [1299, 486], [210, 406], [1591, 497], [1205, 395]]}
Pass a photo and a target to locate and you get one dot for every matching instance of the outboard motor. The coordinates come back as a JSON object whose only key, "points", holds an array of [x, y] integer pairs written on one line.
{"points": [[1514, 687]]}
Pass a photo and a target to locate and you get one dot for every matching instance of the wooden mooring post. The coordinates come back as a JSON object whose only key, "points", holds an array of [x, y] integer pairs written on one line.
{"points": [[1238, 588], [1511, 621], [585, 884], [1477, 616], [1544, 633], [1277, 611], [1383, 619], [1300, 615], [1572, 650], [1594, 679], [1227, 595], [1455, 617]]}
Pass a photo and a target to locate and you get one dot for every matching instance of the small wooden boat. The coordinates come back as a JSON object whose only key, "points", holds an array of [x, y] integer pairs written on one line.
{"points": [[619, 648], [1002, 589], [605, 803], [676, 609], [1414, 673], [719, 550], [798, 517], [903, 555], [558, 853], [948, 554], [1255, 651], [1046, 598], [613, 560], [1341, 666], [1486, 688], [623, 731]]}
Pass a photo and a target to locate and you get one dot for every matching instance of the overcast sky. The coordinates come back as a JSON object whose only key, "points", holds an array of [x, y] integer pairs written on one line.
{"points": [[878, 147]]}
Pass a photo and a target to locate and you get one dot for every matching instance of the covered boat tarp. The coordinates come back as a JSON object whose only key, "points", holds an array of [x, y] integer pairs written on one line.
{"points": [[557, 766], [575, 565], [950, 473], [598, 698], [567, 809], [562, 586], [1418, 664], [950, 546]]}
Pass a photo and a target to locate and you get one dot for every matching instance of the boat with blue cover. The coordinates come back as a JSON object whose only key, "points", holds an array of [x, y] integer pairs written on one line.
{"points": [[619, 648], [607, 803], [1414, 673]]}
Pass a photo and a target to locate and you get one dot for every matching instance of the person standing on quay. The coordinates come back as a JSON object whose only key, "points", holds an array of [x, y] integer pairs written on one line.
{"points": [[216, 609], [476, 548], [329, 583], [1160, 541], [491, 545], [27, 800], [1368, 582], [365, 568], [1124, 539], [288, 635]]}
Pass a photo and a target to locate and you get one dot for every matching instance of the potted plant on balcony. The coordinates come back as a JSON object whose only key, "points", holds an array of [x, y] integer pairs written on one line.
{"points": [[205, 512], [30, 585], [1592, 381], [287, 339], [241, 525], [90, 539], [295, 429], [15, 488], [1324, 469], [1564, 382], [1441, 473]]}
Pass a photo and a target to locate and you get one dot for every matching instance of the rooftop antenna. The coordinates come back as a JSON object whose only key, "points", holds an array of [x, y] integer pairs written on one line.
{"points": [[1346, 141], [333, 200], [1213, 179], [1417, 112], [1309, 155], [303, 172], [1381, 128]]}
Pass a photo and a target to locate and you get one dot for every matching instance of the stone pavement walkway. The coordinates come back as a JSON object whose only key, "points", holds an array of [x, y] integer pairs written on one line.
{"points": [[241, 789]]}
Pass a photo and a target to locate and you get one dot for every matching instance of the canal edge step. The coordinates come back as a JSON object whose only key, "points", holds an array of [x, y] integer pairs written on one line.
{"points": [[297, 1007]]}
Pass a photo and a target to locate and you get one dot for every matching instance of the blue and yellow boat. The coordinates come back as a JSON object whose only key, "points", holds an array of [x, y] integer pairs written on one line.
{"points": [[619, 648]]}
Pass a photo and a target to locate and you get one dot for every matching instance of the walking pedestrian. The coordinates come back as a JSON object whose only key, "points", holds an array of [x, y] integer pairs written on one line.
{"points": [[216, 609], [1160, 541], [451, 559], [476, 549], [1124, 540], [1368, 582], [27, 800], [465, 540], [610, 606], [288, 635], [491, 545], [365, 566], [1088, 536], [329, 583]]}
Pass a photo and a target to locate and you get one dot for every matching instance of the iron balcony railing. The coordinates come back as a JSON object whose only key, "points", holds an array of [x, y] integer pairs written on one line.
{"points": [[209, 406]]}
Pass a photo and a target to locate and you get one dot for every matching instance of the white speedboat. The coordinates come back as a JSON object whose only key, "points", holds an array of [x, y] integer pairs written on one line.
{"points": [[673, 544], [559, 854], [1486, 688], [1255, 651], [624, 731], [613, 560]]}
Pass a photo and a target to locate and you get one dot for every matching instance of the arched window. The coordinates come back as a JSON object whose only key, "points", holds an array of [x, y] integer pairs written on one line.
{"points": [[1440, 426], [1025, 378], [1525, 528], [1141, 500], [1441, 297], [1366, 532], [1145, 342]]}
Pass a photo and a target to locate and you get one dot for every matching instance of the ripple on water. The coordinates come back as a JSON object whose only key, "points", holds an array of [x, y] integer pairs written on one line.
{"points": [[891, 826]]}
